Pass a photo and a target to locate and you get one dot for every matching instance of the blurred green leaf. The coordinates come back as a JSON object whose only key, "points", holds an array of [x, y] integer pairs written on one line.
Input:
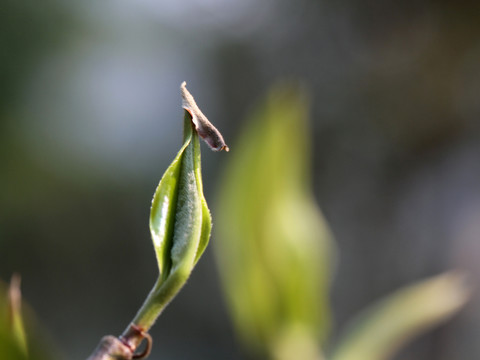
{"points": [[12, 335], [273, 245], [14, 329], [382, 329], [15, 313]]}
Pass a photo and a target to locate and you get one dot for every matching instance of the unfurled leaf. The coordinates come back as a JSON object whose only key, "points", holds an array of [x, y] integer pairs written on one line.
{"points": [[380, 331], [273, 245]]}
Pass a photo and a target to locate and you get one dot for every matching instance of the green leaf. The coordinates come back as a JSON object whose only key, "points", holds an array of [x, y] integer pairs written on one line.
{"points": [[175, 205], [273, 245], [180, 222], [16, 322], [381, 330], [12, 334], [15, 307]]}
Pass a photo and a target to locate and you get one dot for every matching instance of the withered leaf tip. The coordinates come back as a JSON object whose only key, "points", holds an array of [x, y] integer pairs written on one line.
{"points": [[204, 128]]}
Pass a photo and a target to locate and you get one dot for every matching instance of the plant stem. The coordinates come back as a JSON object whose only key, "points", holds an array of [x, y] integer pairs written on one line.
{"points": [[111, 348], [179, 214]]}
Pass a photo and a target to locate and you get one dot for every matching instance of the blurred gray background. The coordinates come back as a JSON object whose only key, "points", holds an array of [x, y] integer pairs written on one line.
{"points": [[90, 118]]}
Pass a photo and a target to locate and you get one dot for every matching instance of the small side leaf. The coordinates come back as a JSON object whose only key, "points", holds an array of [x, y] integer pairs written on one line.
{"points": [[380, 331]]}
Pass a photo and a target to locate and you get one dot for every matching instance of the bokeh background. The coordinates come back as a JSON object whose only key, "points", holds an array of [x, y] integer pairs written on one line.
{"points": [[90, 118]]}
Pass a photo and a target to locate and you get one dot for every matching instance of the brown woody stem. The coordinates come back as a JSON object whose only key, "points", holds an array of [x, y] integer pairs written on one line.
{"points": [[124, 347]]}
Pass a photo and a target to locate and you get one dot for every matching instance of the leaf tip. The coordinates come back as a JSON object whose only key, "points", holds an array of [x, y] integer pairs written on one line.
{"points": [[203, 127], [460, 286]]}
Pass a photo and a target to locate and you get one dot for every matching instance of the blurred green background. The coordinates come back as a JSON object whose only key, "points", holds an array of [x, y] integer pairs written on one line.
{"points": [[90, 118]]}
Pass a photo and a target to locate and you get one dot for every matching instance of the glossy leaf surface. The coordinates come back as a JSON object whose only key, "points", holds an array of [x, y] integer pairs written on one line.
{"points": [[179, 211]]}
